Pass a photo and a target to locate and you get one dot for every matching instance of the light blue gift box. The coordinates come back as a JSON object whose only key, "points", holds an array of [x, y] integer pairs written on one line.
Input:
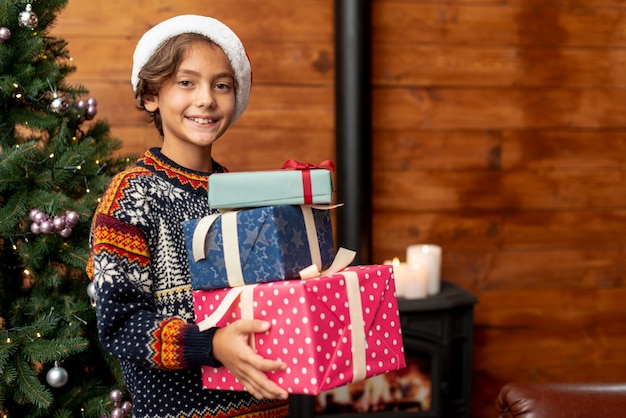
{"points": [[257, 245], [236, 190]]}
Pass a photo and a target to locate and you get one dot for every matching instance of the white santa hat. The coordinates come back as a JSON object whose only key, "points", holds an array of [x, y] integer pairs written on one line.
{"points": [[213, 29]]}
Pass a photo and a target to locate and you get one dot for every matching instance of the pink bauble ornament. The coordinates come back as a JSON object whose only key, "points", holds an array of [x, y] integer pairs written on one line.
{"points": [[71, 217], [33, 214], [39, 216], [118, 413], [59, 222], [5, 34], [116, 395], [127, 407], [35, 228], [90, 112], [66, 232], [47, 227]]}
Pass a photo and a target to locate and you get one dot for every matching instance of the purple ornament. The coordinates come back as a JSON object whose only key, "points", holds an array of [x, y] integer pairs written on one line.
{"points": [[127, 407], [40, 217], [92, 102], [5, 34], [33, 214], [35, 228], [71, 217], [59, 223], [81, 104], [118, 413], [90, 112], [66, 232], [47, 227], [116, 395]]}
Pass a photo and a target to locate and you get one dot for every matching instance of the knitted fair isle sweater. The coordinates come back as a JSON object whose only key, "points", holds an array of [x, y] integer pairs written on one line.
{"points": [[144, 305]]}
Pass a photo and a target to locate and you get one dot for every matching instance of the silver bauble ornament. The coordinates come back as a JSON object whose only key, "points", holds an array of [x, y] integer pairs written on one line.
{"points": [[60, 104], [28, 18], [91, 290], [5, 34], [57, 376]]}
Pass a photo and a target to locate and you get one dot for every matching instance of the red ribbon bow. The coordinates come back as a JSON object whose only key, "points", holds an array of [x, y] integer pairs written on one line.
{"points": [[307, 188], [297, 165]]}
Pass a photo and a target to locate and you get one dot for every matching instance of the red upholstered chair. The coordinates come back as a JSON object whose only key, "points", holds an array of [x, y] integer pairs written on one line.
{"points": [[561, 400]]}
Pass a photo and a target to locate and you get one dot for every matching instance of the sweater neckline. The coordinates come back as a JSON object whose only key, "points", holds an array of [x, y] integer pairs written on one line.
{"points": [[166, 168]]}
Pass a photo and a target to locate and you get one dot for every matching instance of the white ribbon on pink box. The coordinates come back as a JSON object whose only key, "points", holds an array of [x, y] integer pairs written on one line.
{"points": [[331, 330]]}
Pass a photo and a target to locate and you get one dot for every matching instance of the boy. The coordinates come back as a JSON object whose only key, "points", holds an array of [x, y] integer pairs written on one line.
{"points": [[192, 75]]}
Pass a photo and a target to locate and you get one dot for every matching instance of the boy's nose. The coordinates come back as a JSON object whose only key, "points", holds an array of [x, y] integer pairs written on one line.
{"points": [[205, 98]]}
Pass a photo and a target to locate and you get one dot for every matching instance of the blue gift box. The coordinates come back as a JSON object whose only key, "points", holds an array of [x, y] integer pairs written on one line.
{"points": [[257, 245]]}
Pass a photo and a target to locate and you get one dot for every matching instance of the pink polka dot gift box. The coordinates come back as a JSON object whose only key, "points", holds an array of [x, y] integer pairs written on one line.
{"points": [[330, 330]]}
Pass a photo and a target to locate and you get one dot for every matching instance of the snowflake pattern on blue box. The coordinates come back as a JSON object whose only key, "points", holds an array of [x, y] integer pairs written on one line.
{"points": [[272, 244]]}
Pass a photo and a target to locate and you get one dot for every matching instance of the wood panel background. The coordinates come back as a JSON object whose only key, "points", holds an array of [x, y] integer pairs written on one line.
{"points": [[498, 133]]}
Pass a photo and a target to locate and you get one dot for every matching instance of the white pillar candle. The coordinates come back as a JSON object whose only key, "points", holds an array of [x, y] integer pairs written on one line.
{"points": [[416, 287], [429, 256], [400, 278]]}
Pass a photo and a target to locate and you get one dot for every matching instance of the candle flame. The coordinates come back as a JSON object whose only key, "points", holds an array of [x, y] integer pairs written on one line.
{"points": [[425, 249], [396, 261]]}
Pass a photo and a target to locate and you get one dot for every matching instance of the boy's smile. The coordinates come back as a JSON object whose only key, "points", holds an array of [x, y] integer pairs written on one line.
{"points": [[196, 106]]}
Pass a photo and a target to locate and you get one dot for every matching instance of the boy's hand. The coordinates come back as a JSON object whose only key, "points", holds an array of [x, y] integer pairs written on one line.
{"points": [[231, 348]]}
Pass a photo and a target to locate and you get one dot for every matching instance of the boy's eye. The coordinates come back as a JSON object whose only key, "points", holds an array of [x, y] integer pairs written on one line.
{"points": [[222, 86], [185, 83]]}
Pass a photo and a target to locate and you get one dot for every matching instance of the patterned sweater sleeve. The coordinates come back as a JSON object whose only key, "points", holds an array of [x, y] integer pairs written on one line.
{"points": [[129, 324]]}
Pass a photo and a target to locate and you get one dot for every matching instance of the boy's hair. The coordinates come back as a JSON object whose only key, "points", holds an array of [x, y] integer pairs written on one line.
{"points": [[163, 65], [161, 49]]}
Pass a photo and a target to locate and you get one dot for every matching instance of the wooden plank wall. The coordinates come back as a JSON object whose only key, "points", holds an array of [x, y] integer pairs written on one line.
{"points": [[498, 133]]}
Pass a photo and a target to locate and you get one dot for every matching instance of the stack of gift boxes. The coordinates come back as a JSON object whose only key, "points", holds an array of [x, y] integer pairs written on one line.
{"points": [[269, 254]]}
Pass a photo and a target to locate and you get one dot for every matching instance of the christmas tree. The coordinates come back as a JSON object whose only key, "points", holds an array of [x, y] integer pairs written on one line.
{"points": [[55, 162]]}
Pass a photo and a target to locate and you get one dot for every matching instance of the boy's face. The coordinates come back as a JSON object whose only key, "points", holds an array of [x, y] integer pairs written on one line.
{"points": [[196, 105]]}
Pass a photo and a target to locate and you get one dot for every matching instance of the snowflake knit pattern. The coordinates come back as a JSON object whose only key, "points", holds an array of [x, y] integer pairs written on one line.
{"points": [[144, 304]]}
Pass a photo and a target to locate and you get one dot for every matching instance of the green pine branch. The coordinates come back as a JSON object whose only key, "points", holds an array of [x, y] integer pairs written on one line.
{"points": [[52, 160]]}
